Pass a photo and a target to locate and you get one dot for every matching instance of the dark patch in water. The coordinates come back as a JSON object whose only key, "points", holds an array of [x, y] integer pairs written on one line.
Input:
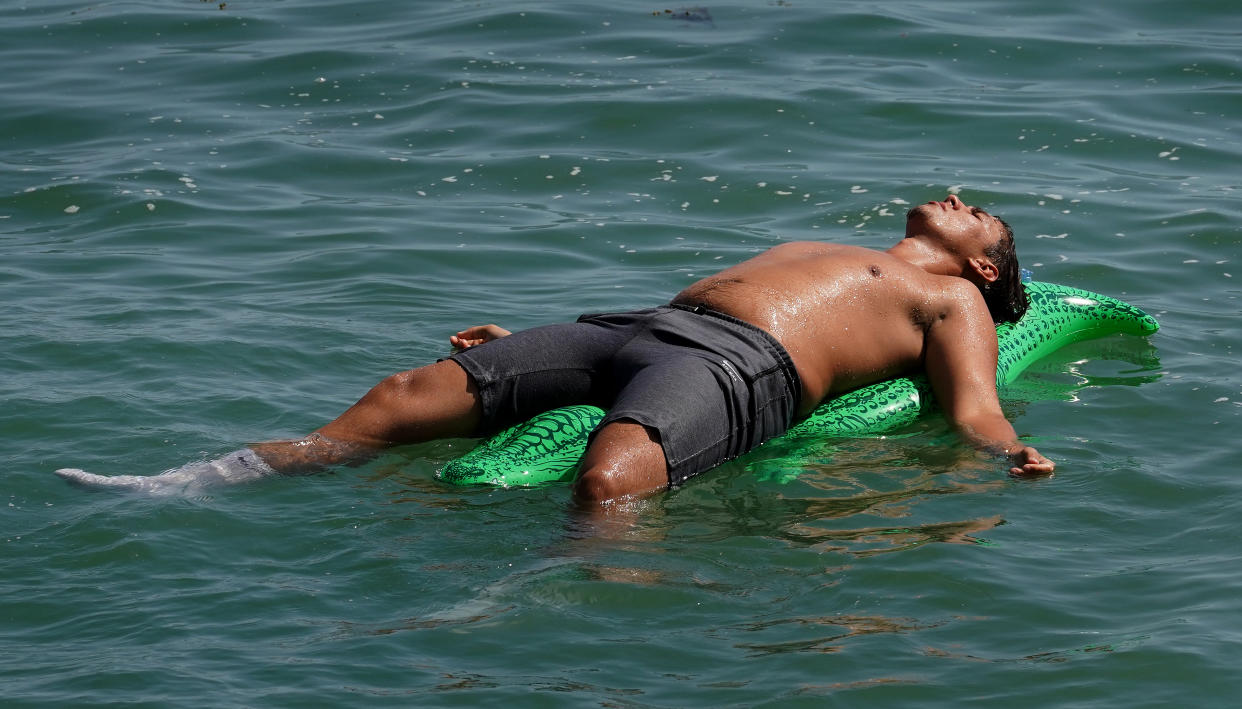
{"points": [[688, 14]]}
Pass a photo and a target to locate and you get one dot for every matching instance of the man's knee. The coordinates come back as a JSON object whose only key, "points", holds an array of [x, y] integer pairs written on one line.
{"points": [[433, 382], [595, 485], [398, 391], [436, 401], [625, 459], [394, 385]]}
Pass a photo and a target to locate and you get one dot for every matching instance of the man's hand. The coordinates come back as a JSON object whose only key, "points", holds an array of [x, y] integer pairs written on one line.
{"points": [[476, 335], [1029, 463]]}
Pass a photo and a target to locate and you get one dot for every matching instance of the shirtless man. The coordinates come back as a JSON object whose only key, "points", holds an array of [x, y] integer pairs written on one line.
{"points": [[733, 360]]}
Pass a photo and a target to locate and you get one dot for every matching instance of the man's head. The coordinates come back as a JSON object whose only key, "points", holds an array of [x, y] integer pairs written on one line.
{"points": [[1005, 296], [976, 246]]}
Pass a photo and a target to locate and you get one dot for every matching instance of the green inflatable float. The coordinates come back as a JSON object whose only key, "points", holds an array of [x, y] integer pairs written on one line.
{"points": [[546, 448]]}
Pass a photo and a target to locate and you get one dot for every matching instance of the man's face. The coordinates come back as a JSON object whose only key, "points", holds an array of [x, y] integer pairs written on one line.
{"points": [[960, 228]]}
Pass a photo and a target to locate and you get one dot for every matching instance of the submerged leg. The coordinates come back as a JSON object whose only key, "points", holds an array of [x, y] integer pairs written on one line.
{"points": [[236, 467], [436, 401]]}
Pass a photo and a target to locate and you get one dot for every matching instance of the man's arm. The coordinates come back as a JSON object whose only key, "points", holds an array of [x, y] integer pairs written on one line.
{"points": [[960, 359]]}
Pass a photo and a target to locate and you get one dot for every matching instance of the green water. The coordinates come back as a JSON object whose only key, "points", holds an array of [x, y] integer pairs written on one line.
{"points": [[224, 225]]}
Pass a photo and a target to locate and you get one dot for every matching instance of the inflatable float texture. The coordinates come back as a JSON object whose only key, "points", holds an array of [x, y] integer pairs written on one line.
{"points": [[547, 448]]}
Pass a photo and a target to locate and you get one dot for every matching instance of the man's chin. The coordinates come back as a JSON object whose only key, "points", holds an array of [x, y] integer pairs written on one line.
{"points": [[918, 218], [920, 212]]}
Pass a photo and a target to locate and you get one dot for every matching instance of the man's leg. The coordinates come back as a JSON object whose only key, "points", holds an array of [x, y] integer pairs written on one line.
{"points": [[436, 401], [624, 458]]}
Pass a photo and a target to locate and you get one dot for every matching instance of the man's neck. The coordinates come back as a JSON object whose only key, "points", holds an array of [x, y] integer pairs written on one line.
{"points": [[919, 253]]}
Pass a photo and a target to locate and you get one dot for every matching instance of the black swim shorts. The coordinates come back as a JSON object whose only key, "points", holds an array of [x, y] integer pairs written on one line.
{"points": [[712, 386]]}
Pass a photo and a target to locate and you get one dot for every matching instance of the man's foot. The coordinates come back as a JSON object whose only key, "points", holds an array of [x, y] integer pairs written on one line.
{"points": [[236, 467], [130, 483]]}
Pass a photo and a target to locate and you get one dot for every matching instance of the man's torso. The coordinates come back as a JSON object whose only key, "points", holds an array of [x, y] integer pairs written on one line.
{"points": [[848, 316]]}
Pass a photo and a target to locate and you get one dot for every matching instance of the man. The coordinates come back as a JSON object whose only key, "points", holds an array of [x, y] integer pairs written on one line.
{"points": [[733, 360]]}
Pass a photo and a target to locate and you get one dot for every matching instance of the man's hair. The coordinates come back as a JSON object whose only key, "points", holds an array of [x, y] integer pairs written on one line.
{"points": [[1006, 296]]}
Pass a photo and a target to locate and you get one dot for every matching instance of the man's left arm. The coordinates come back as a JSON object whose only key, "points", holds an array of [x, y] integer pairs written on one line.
{"points": [[477, 335], [960, 359]]}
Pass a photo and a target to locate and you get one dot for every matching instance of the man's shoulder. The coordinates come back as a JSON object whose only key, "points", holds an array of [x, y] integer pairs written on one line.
{"points": [[955, 287], [960, 302]]}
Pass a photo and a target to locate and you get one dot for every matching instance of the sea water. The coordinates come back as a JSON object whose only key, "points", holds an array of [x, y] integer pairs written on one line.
{"points": [[223, 222]]}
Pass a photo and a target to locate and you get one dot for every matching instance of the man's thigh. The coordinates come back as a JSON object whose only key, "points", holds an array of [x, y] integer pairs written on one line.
{"points": [[543, 368], [704, 410], [693, 408]]}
